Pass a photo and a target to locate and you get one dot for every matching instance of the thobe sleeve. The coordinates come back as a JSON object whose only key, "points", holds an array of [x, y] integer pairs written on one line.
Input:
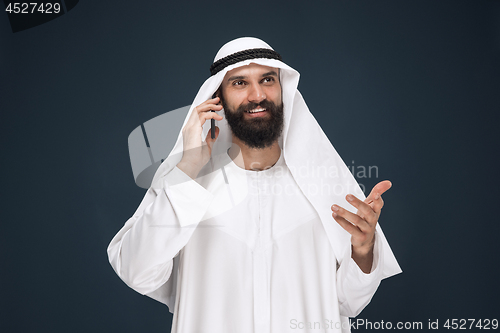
{"points": [[356, 288], [142, 252]]}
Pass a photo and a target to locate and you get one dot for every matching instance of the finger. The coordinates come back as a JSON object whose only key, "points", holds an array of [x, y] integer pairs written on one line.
{"points": [[209, 115], [377, 205], [352, 218], [212, 101], [200, 109], [364, 209], [208, 107], [378, 190], [348, 226]]}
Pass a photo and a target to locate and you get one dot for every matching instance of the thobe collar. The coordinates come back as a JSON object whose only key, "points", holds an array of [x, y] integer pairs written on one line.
{"points": [[269, 172]]}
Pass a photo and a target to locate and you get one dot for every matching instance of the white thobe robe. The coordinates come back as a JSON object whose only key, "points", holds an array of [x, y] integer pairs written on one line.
{"points": [[251, 255]]}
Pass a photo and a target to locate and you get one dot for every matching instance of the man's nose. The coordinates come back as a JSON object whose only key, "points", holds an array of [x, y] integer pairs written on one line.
{"points": [[257, 94]]}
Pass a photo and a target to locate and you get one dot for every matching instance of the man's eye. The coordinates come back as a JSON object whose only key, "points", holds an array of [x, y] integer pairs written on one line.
{"points": [[238, 83], [268, 79]]}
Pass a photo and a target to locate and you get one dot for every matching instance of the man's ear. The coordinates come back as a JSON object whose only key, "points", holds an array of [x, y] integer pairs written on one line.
{"points": [[217, 93]]}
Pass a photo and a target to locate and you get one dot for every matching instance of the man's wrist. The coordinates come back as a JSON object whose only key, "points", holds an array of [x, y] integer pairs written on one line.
{"points": [[363, 256], [189, 169]]}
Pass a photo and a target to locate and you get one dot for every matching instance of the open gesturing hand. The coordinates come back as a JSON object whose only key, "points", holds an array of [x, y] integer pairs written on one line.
{"points": [[362, 225]]}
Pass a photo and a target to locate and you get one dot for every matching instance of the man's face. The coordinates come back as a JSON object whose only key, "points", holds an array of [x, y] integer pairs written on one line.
{"points": [[252, 101]]}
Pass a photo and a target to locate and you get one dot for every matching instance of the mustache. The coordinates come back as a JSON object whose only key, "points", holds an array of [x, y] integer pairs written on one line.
{"points": [[265, 104]]}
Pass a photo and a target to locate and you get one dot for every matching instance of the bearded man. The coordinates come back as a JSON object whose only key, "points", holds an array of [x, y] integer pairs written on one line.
{"points": [[261, 228]]}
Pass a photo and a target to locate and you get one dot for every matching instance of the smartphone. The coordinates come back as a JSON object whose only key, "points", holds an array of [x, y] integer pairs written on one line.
{"points": [[212, 121]]}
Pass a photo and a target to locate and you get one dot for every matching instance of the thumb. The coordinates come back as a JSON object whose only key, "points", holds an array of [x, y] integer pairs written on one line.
{"points": [[209, 139], [378, 190]]}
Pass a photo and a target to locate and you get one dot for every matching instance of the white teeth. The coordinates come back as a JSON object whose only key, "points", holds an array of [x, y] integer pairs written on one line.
{"points": [[256, 110]]}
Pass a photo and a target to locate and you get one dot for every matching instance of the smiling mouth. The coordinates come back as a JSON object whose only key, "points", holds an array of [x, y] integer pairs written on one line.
{"points": [[256, 110]]}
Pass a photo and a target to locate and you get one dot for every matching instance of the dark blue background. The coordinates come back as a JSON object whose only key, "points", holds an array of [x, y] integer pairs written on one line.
{"points": [[409, 86]]}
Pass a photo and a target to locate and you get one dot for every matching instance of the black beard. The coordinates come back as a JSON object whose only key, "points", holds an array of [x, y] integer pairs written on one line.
{"points": [[258, 132]]}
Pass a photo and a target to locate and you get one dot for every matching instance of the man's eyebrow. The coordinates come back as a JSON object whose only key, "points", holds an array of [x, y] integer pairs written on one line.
{"points": [[271, 73], [236, 78]]}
